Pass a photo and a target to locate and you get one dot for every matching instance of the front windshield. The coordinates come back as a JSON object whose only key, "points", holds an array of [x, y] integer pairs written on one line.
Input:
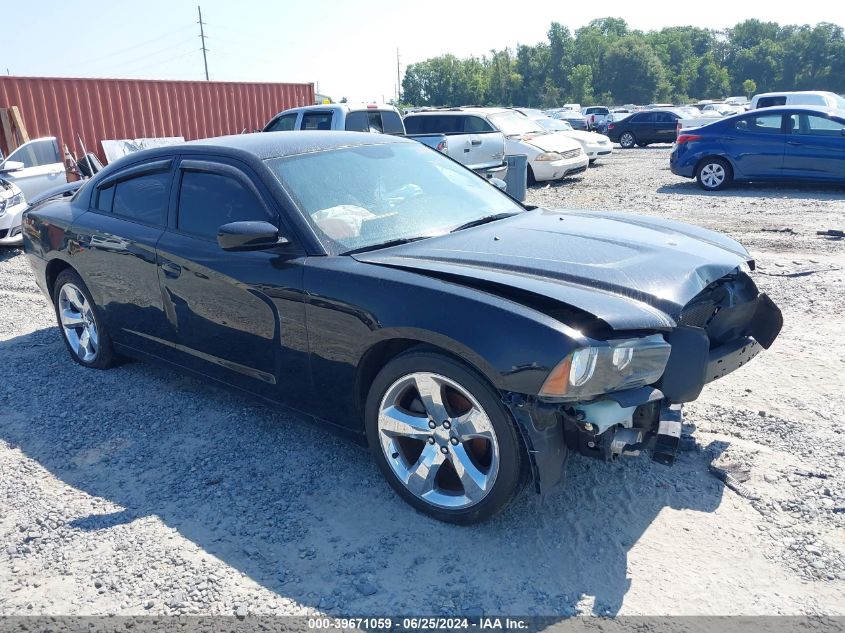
{"points": [[361, 197], [840, 102], [554, 125], [514, 124]]}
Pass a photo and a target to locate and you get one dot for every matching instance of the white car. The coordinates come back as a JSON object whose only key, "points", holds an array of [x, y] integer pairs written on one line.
{"points": [[551, 155], [594, 145], [12, 205], [35, 167]]}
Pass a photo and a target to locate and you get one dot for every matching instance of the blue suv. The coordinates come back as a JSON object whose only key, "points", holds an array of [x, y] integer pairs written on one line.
{"points": [[801, 143]]}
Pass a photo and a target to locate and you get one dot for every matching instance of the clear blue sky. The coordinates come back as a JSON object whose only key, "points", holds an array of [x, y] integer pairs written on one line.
{"points": [[348, 47]]}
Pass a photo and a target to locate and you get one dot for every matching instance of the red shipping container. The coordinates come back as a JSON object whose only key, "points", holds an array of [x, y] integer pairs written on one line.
{"points": [[100, 109]]}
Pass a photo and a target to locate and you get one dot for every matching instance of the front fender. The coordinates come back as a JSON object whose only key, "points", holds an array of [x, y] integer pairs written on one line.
{"points": [[354, 306]]}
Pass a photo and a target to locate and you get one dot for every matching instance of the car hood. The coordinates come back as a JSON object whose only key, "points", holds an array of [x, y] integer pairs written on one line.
{"points": [[630, 271], [553, 142], [587, 137]]}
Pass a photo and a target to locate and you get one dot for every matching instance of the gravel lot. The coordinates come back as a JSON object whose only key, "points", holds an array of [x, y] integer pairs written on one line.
{"points": [[138, 490]]}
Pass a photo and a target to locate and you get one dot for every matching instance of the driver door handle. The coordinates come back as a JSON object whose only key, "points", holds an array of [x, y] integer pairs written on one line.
{"points": [[793, 142]]}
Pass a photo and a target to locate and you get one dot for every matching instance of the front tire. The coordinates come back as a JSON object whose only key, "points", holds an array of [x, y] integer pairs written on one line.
{"points": [[714, 174], [83, 331], [627, 140], [442, 438], [531, 180]]}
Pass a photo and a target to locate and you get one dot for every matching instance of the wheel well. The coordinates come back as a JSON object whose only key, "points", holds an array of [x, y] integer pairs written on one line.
{"points": [[53, 269], [383, 352], [712, 156]]}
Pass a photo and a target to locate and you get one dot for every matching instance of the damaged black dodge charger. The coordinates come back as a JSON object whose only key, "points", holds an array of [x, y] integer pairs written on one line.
{"points": [[377, 285]]}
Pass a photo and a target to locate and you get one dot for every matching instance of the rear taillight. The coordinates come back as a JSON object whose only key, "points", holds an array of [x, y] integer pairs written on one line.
{"points": [[442, 146], [687, 138], [610, 126]]}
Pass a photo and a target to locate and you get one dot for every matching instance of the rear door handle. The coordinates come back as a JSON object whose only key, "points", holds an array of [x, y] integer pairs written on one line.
{"points": [[793, 142], [171, 269], [476, 142]]}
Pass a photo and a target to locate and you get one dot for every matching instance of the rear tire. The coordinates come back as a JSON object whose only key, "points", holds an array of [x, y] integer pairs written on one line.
{"points": [[85, 335], [714, 174], [627, 140], [462, 469]]}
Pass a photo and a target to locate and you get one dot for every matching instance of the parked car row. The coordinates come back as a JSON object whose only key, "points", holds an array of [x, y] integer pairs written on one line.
{"points": [[480, 138]]}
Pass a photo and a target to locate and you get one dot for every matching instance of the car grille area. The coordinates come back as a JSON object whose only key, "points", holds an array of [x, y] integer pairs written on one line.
{"points": [[572, 153]]}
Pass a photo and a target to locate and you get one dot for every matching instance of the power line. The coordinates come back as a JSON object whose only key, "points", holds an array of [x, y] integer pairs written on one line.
{"points": [[109, 56], [202, 37]]}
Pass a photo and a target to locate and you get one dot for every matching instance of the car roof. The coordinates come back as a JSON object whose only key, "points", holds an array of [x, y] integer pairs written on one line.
{"points": [[825, 93], [265, 145], [442, 111], [258, 146], [815, 109]]}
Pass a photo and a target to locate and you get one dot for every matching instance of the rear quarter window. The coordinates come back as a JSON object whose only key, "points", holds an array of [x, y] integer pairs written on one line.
{"points": [[143, 198]]}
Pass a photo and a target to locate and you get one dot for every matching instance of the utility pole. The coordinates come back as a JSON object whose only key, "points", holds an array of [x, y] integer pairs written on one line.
{"points": [[398, 82], [202, 37]]}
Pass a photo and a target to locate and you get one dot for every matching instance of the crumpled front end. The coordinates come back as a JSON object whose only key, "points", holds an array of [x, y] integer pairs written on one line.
{"points": [[718, 331]]}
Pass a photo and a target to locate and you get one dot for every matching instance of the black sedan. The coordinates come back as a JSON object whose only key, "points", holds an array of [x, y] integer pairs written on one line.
{"points": [[386, 290], [645, 128]]}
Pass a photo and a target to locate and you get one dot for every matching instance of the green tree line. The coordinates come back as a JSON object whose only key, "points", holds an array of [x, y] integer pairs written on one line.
{"points": [[608, 62]]}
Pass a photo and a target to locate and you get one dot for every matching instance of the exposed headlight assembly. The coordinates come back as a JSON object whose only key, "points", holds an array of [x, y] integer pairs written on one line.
{"points": [[549, 156], [9, 203], [610, 366]]}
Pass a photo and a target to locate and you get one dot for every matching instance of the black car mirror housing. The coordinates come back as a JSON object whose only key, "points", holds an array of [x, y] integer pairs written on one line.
{"points": [[249, 236]]}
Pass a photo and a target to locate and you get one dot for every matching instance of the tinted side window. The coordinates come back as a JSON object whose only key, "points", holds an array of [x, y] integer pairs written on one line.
{"points": [[768, 102], [316, 121], [143, 198], [476, 125], [760, 124], [357, 122], [284, 123], [413, 124], [392, 122], [207, 201], [105, 197], [646, 117], [812, 125], [37, 153], [446, 124]]}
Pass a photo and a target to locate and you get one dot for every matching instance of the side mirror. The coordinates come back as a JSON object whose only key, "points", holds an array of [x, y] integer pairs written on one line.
{"points": [[249, 236], [10, 165], [498, 182]]}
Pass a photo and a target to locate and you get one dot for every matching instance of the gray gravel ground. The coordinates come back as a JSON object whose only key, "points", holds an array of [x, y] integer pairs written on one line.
{"points": [[138, 490]]}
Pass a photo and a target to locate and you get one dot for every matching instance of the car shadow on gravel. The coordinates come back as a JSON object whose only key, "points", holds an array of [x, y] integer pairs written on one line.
{"points": [[306, 514], [9, 252], [759, 190]]}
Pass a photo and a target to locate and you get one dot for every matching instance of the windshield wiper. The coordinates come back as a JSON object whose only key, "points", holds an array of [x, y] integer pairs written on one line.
{"points": [[387, 244], [484, 220]]}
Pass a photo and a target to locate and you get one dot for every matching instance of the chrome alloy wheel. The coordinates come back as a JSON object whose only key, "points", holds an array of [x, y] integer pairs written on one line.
{"points": [[438, 440], [78, 324], [713, 175]]}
